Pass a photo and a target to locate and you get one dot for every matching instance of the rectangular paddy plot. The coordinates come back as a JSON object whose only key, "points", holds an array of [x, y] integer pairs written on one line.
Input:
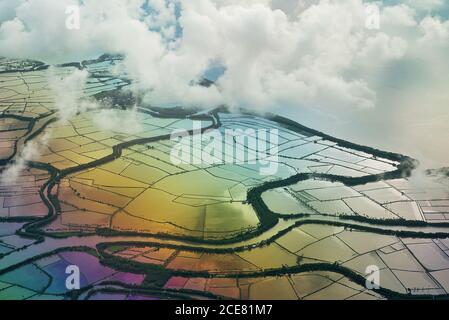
{"points": [[11, 130], [27, 93], [21, 197]]}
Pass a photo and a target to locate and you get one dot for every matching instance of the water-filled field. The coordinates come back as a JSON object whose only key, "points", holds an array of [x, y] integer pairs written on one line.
{"points": [[105, 195]]}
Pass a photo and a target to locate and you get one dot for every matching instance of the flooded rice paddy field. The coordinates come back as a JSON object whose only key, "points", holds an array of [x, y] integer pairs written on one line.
{"points": [[109, 199]]}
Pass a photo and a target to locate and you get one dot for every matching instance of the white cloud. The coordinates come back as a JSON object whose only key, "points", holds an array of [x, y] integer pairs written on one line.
{"points": [[30, 151], [381, 47], [399, 15], [68, 91], [118, 121], [285, 56], [259, 45], [434, 31], [8, 8]]}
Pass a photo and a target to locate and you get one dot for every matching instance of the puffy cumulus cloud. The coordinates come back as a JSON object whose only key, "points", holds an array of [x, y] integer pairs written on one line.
{"points": [[68, 89], [276, 54], [272, 60], [7, 9], [119, 121], [10, 174], [163, 18], [399, 15], [299, 57], [383, 47], [271, 57], [434, 31], [39, 30]]}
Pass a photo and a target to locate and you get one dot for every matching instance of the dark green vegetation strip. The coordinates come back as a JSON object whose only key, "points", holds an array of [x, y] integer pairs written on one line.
{"points": [[124, 264]]}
